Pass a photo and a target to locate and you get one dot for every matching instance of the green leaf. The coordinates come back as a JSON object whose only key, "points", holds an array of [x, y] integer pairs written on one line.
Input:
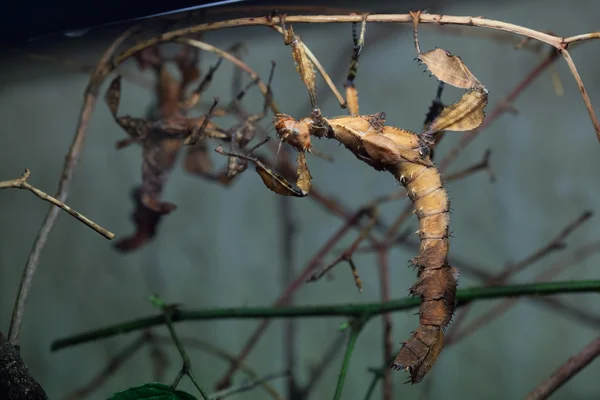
{"points": [[152, 391]]}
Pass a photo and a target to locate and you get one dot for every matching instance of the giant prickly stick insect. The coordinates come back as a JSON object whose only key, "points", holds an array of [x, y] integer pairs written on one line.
{"points": [[169, 128], [407, 156]]}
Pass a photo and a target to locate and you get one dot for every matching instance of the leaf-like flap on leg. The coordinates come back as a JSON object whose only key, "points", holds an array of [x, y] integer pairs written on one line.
{"points": [[304, 66], [464, 115], [276, 182], [304, 176], [449, 69], [113, 96]]}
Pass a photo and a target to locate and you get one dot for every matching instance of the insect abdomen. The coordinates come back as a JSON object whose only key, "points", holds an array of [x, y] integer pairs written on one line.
{"points": [[437, 281]]}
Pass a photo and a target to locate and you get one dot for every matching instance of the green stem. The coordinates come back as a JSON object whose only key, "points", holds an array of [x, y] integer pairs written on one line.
{"points": [[356, 327], [186, 369], [349, 310]]}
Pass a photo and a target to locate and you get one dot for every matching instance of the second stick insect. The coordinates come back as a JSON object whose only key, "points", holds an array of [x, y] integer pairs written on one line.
{"points": [[407, 156]]}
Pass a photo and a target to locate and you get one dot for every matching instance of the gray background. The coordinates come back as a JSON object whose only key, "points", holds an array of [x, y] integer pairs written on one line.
{"points": [[222, 247]]}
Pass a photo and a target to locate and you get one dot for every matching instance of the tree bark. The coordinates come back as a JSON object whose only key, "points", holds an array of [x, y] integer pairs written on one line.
{"points": [[16, 383]]}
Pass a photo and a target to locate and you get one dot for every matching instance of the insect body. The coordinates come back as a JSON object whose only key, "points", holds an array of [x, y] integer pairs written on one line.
{"points": [[405, 155], [398, 152]]}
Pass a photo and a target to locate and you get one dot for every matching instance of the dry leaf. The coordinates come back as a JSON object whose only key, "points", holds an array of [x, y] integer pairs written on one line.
{"points": [[276, 182], [304, 176], [449, 69], [464, 115], [113, 96]]}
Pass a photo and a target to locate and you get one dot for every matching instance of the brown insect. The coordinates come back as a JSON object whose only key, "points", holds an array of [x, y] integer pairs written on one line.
{"points": [[407, 156], [168, 129]]}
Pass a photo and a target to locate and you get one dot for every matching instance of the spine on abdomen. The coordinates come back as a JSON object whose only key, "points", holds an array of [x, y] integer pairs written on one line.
{"points": [[436, 281]]}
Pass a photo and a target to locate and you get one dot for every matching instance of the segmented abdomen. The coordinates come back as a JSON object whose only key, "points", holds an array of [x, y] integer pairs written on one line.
{"points": [[398, 151], [437, 281]]}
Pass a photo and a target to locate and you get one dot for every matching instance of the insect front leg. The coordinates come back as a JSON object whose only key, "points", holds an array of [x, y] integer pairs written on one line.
{"points": [[359, 41]]}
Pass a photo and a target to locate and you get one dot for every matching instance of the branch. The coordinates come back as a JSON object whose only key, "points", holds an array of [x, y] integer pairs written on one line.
{"points": [[355, 329], [91, 93], [290, 290], [247, 386], [186, 368], [557, 243], [193, 342], [586, 99], [238, 63], [559, 43], [463, 296], [21, 183], [482, 320], [483, 165], [566, 371]]}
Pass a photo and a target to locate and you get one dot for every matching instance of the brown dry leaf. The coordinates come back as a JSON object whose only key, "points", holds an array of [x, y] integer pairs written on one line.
{"points": [[304, 176], [449, 69], [113, 95], [276, 182], [464, 115]]}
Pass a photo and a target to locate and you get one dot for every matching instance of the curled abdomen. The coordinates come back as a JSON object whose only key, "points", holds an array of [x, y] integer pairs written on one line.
{"points": [[437, 281]]}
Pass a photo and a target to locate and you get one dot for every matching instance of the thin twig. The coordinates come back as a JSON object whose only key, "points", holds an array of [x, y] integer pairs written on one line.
{"points": [[317, 370], [555, 244], [586, 99], [247, 386], [483, 165], [290, 290], [557, 42], [109, 369], [169, 311], [347, 254], [566, 371], [209, 348], [71, 160], [21, 183], [573, 259], [238, 63], [463, 296]]}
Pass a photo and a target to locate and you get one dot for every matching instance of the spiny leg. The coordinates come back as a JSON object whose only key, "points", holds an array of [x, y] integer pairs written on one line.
{"points": [[434, 111], [304, 65], [359, 41], [194, 98]]}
